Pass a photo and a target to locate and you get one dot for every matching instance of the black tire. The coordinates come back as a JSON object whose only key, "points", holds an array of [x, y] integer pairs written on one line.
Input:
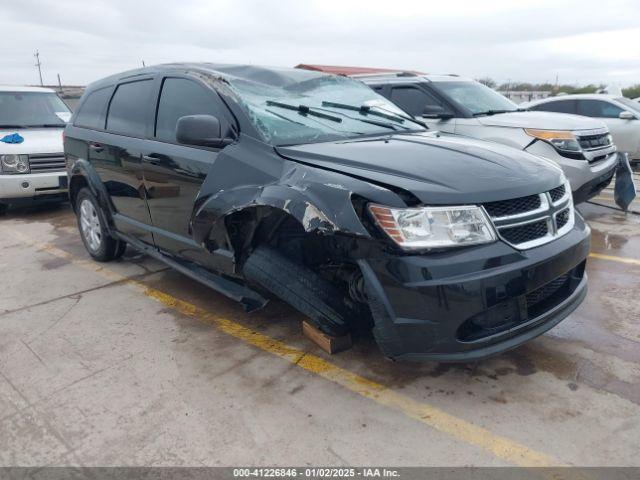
{"points": [[101, 246], [300, 287]]}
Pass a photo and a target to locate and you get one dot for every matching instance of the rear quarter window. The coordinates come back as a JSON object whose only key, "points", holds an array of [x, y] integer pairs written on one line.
{"points": [[129, 107], [92, 111]]}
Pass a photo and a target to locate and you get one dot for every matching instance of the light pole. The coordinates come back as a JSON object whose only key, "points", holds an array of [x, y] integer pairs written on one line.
{"points": [[38, 64]]}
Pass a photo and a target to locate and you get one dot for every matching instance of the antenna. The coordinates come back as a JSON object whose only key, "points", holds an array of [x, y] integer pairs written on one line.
{"points": [[38, 64]]}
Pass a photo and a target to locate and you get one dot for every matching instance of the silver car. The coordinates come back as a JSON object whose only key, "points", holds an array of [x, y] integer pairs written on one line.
{"points": [[620, 114], [32, 165], [582, 146]]}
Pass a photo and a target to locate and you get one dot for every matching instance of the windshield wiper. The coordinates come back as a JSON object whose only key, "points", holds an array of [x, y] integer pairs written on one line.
{"points": [[493, 112], [369, 110], [304, 110], [377, 123], [12, 125]]}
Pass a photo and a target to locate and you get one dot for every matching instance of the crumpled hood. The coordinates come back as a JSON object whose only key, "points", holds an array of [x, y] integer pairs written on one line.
{"points": [[541, 120], [436, 168], [36, 140]]}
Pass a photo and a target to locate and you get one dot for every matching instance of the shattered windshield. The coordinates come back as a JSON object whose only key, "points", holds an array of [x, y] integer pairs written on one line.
{"points": [[311, 110]]}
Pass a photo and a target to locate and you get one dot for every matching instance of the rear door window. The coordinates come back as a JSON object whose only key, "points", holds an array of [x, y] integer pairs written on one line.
{"points": [[598, 108], [414, 100], [129, 107], [181, 97], [92, 110], [560, 106]]}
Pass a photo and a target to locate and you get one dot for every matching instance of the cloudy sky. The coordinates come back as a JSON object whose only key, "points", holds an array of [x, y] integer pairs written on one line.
{"points": [[581, 41]]}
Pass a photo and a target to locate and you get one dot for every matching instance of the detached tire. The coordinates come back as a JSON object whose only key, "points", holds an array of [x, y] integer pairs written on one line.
{"points": [[92, 224], [300, 287]]}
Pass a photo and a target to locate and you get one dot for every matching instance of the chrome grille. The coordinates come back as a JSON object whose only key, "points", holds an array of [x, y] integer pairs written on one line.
{"points": [[562, 218], [534, 220], [525, 233], [512, 207], [557, 193], [594, 142], [47, 162]]}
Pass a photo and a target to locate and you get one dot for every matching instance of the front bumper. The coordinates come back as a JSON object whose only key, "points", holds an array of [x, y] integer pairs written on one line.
{"points": [[476, 302], [594, 187], [32, 185], [582, 174]]}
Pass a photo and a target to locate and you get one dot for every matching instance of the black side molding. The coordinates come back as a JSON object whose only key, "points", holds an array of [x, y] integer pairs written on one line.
{"points": [[250, 299]]}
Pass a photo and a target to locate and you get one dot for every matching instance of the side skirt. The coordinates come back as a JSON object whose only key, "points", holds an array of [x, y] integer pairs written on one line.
{"points": [[250, 299]]}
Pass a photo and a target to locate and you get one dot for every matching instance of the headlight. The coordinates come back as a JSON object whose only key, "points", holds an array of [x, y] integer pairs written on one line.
{"points": [[14, 163], [434, 227], [563, 140]]}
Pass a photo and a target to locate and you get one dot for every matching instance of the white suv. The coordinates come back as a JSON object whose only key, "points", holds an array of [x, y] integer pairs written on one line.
{"points": [[620, 114], [582, 146], [32, 164]]}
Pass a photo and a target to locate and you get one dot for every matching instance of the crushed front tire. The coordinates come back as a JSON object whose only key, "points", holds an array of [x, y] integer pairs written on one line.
{"points": [[300, 287]]}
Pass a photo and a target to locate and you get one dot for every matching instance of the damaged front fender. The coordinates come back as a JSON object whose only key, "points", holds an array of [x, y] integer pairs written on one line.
{"points": [[319, 200]]}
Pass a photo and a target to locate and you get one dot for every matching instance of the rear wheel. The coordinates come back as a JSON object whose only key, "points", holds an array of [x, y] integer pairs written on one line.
{"points": [[93, 229]]}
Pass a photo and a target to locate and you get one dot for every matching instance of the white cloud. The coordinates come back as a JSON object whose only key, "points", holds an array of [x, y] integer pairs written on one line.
{"points": [[581, 41]]}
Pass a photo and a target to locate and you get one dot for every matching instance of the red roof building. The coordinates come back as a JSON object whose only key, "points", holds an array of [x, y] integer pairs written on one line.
{"points": [[348, 71]]}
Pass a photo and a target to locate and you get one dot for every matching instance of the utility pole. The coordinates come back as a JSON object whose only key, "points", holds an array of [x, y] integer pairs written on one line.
{"points": [[143, 63], [38, 64]]}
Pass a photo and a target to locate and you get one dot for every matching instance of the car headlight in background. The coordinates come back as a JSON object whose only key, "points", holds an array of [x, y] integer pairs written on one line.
{"points": [[563, 140], [14, 163], [434, 227]]}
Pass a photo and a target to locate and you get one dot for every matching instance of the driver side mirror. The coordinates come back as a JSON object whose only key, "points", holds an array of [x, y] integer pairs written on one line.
{"points": [[436, 111], [626, 115], [201, 130]]}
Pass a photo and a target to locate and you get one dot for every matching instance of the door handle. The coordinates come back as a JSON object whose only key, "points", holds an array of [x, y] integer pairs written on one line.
{"points": [[96, 147], [153, 160]]}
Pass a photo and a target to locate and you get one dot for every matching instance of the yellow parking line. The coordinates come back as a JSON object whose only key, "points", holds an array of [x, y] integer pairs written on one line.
{"points": [[498, 446], [613, 258], [501, 447]]}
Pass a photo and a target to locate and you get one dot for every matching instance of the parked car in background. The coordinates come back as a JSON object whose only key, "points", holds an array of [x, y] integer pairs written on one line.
{"points": [[313, 188], [449, 103], [620, 114], [32, 166]]}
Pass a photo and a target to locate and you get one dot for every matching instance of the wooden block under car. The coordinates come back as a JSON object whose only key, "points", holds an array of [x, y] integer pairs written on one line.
{"points": [[326, 342]]}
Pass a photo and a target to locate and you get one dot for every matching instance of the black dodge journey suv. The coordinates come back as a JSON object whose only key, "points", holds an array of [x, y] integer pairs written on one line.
{"points": [[312, 188]]}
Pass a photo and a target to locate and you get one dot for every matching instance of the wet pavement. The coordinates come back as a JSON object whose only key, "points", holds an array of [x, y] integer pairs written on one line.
{"points": [[94, 371]]}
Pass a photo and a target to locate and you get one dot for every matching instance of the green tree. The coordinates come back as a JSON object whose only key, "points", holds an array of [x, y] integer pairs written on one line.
{"points": [[489, 82], [632, 92]]}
